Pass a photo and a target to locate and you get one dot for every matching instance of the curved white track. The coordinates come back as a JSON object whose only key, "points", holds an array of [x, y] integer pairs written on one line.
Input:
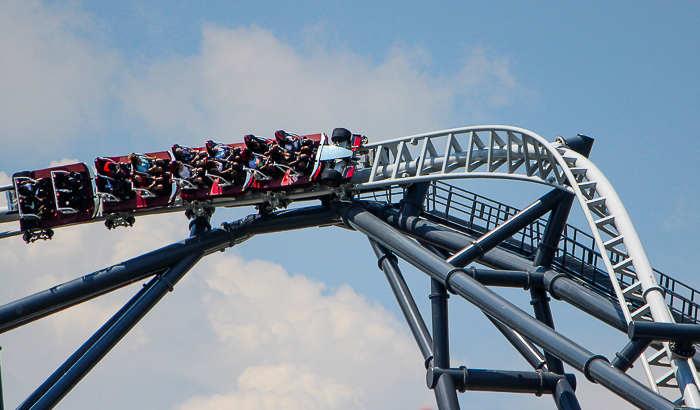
{"points": [[518, 154], [495, 151]]}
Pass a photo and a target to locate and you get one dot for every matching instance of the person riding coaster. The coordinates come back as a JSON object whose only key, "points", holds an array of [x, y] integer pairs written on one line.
{"points": [[148, 165], [288, 141], [220, 151], [35, 197], [256, 144], [113, 179]]}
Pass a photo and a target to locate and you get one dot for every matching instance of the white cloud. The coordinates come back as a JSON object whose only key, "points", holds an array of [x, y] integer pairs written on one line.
{"points": [[285, 339], [347, 352], [246, 80], [64, 84], [54, 81], [284, 386]]}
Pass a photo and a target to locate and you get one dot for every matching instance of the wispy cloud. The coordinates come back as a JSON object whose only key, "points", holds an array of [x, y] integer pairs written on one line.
{"points": [[248, 325], [63, 83]]}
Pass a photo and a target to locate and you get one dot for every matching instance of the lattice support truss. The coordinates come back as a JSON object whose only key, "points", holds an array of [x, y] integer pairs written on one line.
{"points": [[518, 154]]}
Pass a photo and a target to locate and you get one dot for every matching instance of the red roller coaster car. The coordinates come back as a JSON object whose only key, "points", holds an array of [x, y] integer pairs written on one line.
{"points": [[266, 173], [52, 197], [132, 182]]}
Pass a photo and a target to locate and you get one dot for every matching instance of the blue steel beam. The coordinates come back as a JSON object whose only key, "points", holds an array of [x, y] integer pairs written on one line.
{"points": [[596, 368]]}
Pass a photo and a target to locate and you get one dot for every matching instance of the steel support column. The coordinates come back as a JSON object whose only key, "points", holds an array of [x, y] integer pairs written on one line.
{"points": [[595, 367], [412, 205], [441, 329], [446, 393], [543, 259], [112, 333], [2, 397], [387, 263], [564, 396], [57, 298]]}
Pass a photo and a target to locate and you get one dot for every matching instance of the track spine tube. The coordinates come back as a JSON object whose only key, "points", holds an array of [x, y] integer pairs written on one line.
{"points": [[65, 295], [601, 371]]}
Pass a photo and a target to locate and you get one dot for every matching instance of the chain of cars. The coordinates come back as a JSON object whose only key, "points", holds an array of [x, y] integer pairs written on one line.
{"points": [[268, 173]]}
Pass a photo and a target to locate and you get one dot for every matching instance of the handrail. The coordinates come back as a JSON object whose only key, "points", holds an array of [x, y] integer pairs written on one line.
{"points": [[576, 254]]}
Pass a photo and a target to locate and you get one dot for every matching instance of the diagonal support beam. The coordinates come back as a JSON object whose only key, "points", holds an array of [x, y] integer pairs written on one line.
{"points": [[522, 345], [387, 263], [65, 295], [87, 357], [62, 381], [559, 285], [509, 228], [596, 368]]}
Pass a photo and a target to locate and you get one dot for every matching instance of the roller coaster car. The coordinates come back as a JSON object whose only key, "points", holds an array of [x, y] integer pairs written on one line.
{"points": [[125, 188], [197, 184], [50, 197], [338, 159], [286, 177]]}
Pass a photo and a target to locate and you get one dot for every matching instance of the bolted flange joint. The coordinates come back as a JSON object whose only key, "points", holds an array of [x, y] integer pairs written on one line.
{"points": [[683, 349]]}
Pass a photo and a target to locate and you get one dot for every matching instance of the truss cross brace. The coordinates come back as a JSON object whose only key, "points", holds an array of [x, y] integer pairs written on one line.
{"points": [[596, 368]]}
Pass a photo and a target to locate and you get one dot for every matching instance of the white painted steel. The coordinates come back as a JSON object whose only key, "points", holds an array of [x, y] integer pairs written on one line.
{"points": [[602, 200], [495, 151], [471, 152], [518, 154]]}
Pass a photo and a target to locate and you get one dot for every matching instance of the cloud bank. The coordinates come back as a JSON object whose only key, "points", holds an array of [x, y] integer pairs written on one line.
{"points": [[64, 84], [247, 334]]}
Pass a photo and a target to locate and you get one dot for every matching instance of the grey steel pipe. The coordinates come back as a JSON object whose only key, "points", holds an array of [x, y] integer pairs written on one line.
{"points": [[508, 228], [126, 319], [564, 396], [507, 278], [464, 379], [562, 287], [446, 394], [558, 284], [56, 376], [387, 263], [57, 298], [543, 260], [441, 329], [664, 332], [630, 353], [524, 347], [595, 367]]}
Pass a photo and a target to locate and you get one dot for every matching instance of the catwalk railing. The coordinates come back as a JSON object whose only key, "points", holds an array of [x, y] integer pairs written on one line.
{"points": [[475, 215]]}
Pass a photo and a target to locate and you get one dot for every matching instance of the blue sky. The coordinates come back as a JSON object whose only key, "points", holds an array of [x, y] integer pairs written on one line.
{"points": [[106, 78]]}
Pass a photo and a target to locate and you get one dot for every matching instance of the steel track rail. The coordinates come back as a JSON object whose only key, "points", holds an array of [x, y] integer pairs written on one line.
{"points": [[495, 151]]}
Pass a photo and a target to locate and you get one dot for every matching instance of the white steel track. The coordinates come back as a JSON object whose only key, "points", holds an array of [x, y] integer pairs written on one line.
{"points": [[518, 154], [496, 151]]}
